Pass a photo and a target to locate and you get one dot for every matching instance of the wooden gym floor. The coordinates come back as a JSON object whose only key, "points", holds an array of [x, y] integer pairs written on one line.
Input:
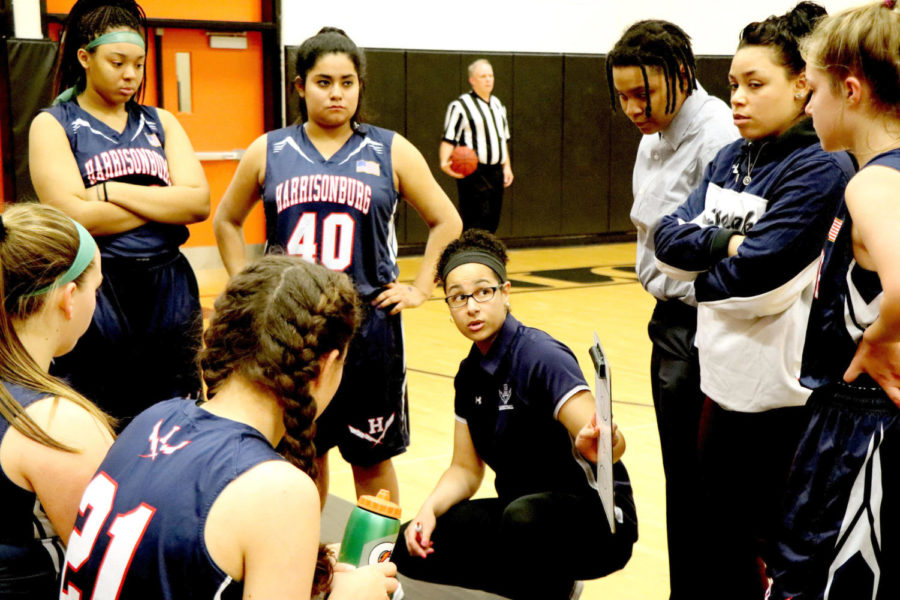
{"points": [[569, 293]]}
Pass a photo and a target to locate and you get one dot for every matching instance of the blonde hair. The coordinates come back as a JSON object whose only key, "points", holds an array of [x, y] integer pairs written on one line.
{"points": [[863, 42], [37, 245]]}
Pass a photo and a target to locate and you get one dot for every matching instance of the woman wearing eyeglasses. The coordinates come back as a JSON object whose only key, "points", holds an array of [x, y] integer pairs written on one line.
{"points": [[523, 408]]}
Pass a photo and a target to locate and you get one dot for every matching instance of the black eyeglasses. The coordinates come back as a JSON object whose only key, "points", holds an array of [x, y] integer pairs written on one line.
{"points": [[484, 294]]}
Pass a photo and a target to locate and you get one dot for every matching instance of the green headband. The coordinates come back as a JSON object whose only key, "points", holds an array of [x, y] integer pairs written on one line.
{"points": [[475, 256], [113, 37], [87, 247], [116, 37]]}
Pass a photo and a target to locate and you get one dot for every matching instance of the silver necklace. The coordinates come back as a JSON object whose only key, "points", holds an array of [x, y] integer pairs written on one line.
{"points": [[747, 179]]}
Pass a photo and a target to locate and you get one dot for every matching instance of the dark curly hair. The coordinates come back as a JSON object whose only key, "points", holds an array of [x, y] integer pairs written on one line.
{"points": [[331, 40], [271, 326], [471, 239], [784, 34], [659, 44], [87, 20]]}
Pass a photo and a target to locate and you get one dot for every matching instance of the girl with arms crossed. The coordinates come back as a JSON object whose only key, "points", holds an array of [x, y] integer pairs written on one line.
{"points": [[53, 439], [750, 238], [524, 409], [126, 172], [330, 187], [193, 501], [840, 537]]}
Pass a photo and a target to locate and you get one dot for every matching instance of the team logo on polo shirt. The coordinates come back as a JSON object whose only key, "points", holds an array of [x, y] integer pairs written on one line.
{"points": [[505, 396]]}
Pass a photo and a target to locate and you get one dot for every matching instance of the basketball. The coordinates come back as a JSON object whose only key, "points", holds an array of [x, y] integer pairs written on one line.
{"points": [[463, 160]]}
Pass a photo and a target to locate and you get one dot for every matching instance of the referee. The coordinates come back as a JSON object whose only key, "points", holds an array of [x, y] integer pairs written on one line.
{"points": [[478, 120]]}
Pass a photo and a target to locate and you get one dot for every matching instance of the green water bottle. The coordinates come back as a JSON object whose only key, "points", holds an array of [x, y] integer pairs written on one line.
{"points": [[371, 531]]}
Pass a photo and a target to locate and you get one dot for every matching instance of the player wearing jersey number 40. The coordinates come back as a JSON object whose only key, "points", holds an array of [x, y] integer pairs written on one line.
{"points": [[330, 187]]}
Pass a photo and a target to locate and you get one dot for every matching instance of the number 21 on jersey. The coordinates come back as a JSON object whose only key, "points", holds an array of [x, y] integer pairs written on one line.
{"points": [[334, 249], [125, 533]]}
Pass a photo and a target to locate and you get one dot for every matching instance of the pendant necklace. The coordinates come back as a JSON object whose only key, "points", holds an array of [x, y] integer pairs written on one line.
{"points": [[747, 178]]}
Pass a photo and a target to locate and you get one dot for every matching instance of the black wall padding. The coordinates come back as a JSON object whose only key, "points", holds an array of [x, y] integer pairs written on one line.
{"points": [[537, 119], [30, 67], [571, 155], [585, 149]]}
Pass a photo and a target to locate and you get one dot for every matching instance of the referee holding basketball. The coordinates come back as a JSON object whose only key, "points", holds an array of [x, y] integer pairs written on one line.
{"points": [[478, 120]]}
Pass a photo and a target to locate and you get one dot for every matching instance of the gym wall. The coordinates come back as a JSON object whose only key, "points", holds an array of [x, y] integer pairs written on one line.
{"points": [[572, 155]]}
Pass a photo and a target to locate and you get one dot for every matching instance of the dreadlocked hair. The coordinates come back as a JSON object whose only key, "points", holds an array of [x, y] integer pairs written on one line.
{"points": [[37, 245], [89, 19], [659, 44], [471, 239], [784, 34], [271, 326]]}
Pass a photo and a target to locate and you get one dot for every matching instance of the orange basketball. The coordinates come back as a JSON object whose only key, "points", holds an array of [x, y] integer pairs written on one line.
{"points": [[463, 160]]}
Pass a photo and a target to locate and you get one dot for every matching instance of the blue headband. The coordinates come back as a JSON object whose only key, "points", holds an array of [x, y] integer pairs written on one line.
{"points": [[87, 247], [116, 37]]}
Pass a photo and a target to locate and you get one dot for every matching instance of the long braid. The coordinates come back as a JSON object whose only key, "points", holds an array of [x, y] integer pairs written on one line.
{"points": [[272, 325]]}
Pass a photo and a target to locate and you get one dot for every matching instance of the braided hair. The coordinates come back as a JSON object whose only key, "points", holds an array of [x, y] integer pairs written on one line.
{"points": [[660, 44], [89, 19], [271, 326]]}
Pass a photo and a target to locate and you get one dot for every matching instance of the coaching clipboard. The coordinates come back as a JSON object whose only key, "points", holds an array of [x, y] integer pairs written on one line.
{"points": [[603, 398]]}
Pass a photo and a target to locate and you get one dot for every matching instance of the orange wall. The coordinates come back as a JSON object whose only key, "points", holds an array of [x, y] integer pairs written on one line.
{"points": [[204, 10], [227, 93]]}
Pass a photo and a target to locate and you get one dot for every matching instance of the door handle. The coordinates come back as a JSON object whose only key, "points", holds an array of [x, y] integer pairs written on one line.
{"points": [[222, 155]]}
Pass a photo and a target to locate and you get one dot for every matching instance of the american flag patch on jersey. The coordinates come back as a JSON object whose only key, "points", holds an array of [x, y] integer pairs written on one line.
{"points": [[368, 166], [835, 228]]}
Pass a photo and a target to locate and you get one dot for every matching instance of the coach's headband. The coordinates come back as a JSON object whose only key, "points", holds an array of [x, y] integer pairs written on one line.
{"points": [[117, 37], [87, 247], [475, 256]]}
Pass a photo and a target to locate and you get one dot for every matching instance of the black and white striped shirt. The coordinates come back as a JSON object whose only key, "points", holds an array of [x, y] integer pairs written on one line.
{"points": [[480, 125]]}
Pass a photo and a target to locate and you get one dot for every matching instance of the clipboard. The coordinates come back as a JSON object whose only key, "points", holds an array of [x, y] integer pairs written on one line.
{"points": [[603, 399]]}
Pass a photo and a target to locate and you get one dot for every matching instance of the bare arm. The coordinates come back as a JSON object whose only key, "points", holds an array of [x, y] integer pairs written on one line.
{"points": [[461, 479], [871, 199], [418, 187], [507, 168], [57, 181], [186, 200], [242, 193], [579, 418], [58, 478]]}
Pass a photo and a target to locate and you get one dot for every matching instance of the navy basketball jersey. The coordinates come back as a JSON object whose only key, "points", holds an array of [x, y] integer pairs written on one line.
{"points": [[338, 212], [847, 300], [31, 552], [136, 155], [140, 530]]}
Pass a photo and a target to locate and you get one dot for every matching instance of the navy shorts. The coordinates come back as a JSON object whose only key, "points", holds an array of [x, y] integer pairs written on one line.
{"points": [[841, 527], [368, 418], [141, 347]]}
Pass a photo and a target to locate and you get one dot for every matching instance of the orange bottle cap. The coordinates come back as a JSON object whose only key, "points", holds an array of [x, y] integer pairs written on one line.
{"points": [[380, 504]]}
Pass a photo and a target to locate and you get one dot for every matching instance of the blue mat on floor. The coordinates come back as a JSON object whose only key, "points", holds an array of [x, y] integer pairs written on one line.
{"points": [[334, 518]]}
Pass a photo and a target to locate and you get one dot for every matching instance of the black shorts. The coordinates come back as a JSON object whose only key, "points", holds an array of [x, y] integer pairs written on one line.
{"points": [[368, 418], [841, 527], [141, 347]]}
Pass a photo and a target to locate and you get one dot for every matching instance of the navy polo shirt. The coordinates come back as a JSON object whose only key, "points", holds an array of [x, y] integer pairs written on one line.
{"points": [[510, 398]]}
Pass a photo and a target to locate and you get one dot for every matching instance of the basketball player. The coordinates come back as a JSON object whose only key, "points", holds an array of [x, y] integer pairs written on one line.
{"points": [[194, 501], [330, 187], [524, 409], [841, 537], [53, 439], [750, 238], [126, 172], [684, 128]]}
